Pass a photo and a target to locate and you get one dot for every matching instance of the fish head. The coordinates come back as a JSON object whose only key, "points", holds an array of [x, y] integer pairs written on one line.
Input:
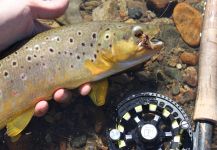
{"points": [[130, 44], [121, 46]]}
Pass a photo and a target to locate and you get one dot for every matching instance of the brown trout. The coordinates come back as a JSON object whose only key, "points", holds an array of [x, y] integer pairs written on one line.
{"points": [[68, 57]]}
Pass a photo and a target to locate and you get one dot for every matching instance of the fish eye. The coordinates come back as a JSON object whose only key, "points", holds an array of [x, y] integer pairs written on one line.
{"points": [[137, 31]]}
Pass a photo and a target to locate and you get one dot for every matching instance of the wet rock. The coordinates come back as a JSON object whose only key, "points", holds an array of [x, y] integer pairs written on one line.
{"points": [[142, 75], [186, 95], [148, 16], [190, 76], [188, 21], [137, 4], [162, 8], [72, 14], [162, 77], [199, 6], [175, 88], [123, 11], [135, 13], [189, 58], [79, 141], [173, 62], [107, 11], [189, 95], [90, 5], [173, 73]]}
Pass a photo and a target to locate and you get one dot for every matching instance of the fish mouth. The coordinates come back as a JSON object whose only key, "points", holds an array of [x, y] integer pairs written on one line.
{"points": [[150, 44]]}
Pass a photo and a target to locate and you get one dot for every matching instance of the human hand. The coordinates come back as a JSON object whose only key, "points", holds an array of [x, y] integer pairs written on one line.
{"points": [[18, 21], [61, 96]]}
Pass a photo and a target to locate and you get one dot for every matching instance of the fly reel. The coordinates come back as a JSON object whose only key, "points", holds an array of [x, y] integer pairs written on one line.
{"points": [[150, 121]]}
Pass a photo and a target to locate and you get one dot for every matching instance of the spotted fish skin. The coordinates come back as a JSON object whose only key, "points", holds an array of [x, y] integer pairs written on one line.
{"points": [[67, 57]]}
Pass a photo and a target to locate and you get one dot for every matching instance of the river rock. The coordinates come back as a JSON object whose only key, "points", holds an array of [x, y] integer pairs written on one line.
{"points": [[135, 13], [109, 10], [190, 76], [189, 58], [188, 21]]}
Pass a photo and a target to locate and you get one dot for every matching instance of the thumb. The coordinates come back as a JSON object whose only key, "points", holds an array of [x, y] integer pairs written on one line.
{"points": [[48, 9]]}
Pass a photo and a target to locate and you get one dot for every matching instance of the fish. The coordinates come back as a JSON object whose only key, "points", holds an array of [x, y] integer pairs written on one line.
{"points": [[67, 57]]}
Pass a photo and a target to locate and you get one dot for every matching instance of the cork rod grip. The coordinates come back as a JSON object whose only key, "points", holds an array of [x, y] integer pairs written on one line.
{"points": [[206, 102]]}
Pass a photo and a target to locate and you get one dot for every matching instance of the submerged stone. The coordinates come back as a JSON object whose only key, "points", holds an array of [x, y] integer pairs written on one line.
{"points": [[188, 21]]}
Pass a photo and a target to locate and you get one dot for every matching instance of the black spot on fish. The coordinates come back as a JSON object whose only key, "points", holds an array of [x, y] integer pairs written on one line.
{"points": [[21, 67], [107, 29], [29, 58], [99, 44], [58, 39], [70, 54], [59, 53], [92, 60], [78, 57], [79, 33], [72, 66], [51, 50], [83, 44], [97, 51], [83, 53], [6, 74], [91, 44], [107, 37], [110, 45], [94, 35], [35, 56], [36, 47], [14, 63], [95, 56], [71, 40]]}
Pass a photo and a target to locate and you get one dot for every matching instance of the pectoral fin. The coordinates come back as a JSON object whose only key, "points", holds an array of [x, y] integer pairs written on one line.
{"points": [[15, 126], [99, 91]]}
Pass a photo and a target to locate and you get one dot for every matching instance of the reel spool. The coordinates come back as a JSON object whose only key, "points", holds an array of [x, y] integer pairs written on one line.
{"points": [[150, 121]]}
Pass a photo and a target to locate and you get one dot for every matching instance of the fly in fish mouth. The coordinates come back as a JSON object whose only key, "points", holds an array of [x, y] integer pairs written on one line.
{"points": [[146, 43]]}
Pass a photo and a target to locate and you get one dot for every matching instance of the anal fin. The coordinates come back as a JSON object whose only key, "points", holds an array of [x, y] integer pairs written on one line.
{"points": [[16, 126], [99, 91]]}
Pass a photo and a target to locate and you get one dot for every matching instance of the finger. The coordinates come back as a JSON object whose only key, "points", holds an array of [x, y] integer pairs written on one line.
{"points": [[85, 89], [48, 9], [41, 108], [62, 96]]}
